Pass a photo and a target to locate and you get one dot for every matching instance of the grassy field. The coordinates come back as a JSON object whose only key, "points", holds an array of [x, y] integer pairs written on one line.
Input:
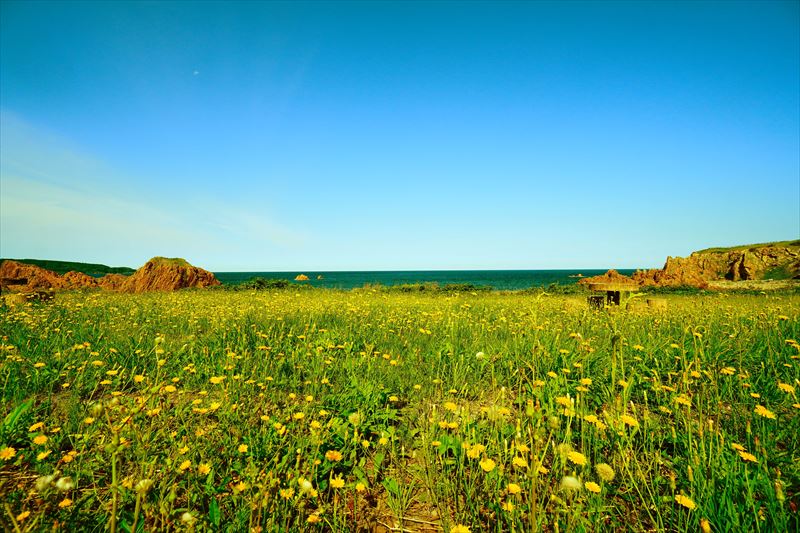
{"points": [[369, 410]]}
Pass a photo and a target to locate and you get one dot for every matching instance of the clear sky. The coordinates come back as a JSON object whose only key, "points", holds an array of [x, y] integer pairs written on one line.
{"points": [[413, 135]]}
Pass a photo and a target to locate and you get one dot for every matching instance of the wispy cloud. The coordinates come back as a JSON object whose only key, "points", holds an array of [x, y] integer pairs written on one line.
{"points": [[59, 202]]}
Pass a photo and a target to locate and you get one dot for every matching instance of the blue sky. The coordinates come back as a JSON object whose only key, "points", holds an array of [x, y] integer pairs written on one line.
{"points": [[415, 135]]}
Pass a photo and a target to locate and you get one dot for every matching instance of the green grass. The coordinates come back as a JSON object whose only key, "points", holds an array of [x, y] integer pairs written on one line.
{"points": [[434, 409], [62, 267], [743, 247]]}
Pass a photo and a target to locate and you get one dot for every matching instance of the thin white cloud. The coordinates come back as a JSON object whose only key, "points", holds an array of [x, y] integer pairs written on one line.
{"points": [[59, 203]]}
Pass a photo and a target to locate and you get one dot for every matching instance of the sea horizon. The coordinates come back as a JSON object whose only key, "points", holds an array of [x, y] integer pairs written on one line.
{"points": [[498, 279]]}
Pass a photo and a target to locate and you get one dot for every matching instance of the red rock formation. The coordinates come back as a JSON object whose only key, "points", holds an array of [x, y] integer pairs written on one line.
{"points": [[23, 277], [78, 280], [112, 282], [612, 276], [743, 264], [162, 274]]}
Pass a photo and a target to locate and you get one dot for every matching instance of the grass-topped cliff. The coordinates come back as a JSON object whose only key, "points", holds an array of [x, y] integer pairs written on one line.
{"points": [[62, 267], [750, 247]]}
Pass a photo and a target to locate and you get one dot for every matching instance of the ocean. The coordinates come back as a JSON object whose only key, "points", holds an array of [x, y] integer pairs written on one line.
{"points": [[496, 279]]}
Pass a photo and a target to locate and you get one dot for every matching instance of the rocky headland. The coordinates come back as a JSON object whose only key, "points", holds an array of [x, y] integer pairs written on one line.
{"points": [[158, 274]]}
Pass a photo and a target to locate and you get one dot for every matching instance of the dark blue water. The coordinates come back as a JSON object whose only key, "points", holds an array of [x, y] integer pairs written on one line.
{"points": [[496, 279]]}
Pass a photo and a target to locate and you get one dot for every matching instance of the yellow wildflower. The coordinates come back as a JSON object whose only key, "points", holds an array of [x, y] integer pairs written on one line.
{"points": [[487, 465], [685, 501], [763, 411], [7, 453], [577, 458], [520, 462], [333, 455]]}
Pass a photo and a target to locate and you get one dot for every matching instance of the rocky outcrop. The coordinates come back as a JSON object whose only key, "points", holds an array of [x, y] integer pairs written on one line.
{"points": [[610, 277], [15, 276], [112, 282], [78, 280], [736, 264], [163, 274], [158, 274]]}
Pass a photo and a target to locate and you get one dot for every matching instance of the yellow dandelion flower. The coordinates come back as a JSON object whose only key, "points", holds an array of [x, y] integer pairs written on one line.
{"points": [[333, 455], [629, 421], [513, 488], [520, 462], [683, 400], [685, 501], [487, 465], [475, 451], [577, 458], [313, 519], [591, 486], [203, 468], [185, 465], [42, 455], [460, 528], [23, 515], [747, 456], [785, 387], [450, 406], [66, 502], [7, 453], [216, 380], [337, 482], [37, 426], [760, 410], [286, 494], [360, 487], [40, 439], [243, 448]]}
